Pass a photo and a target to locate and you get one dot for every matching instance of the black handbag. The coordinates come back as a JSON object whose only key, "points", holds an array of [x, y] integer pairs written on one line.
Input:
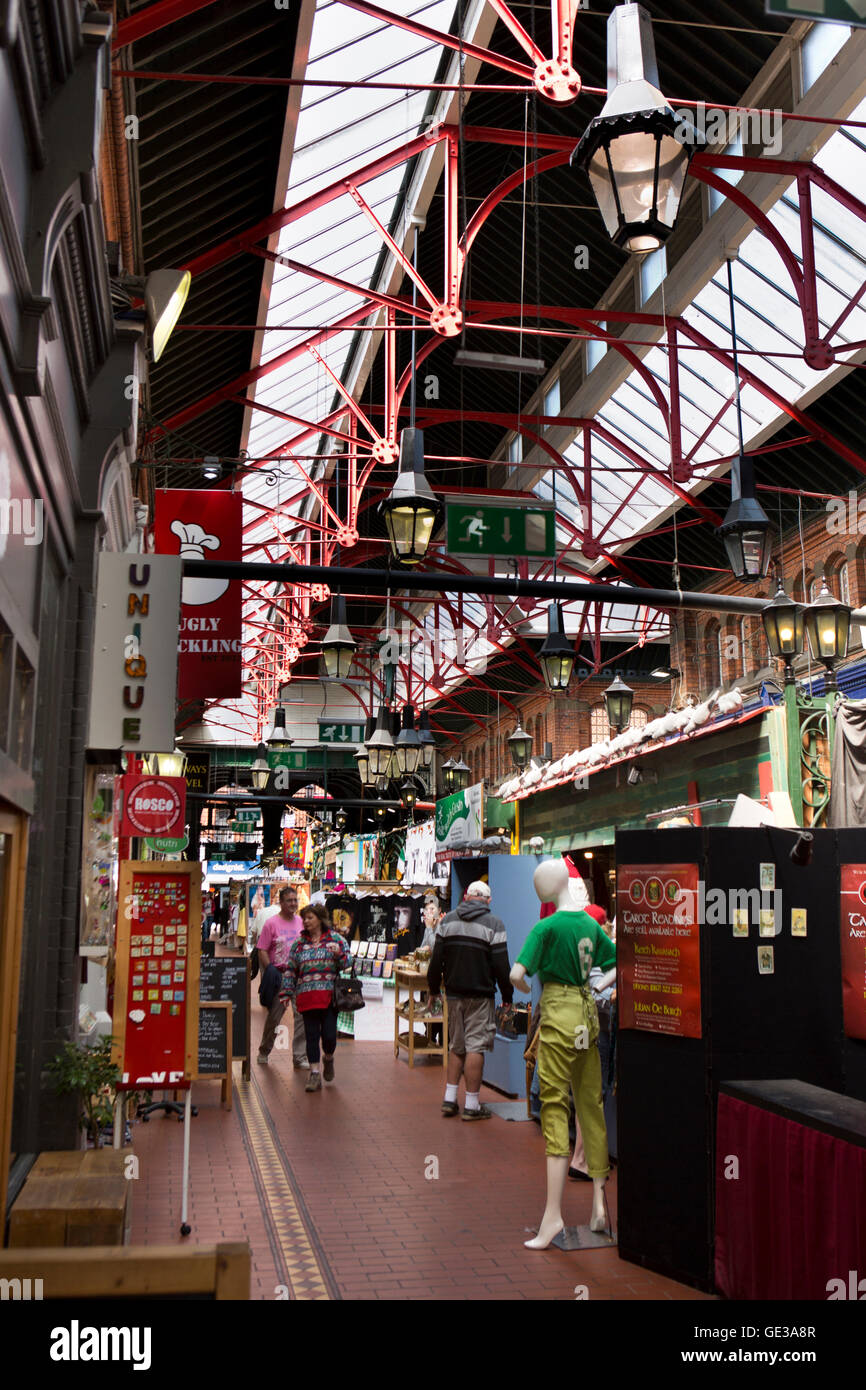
{"points": [[348, 996]]}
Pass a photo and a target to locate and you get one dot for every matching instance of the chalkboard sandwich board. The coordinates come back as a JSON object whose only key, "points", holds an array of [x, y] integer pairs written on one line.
{"points": [[228, 977], [214, 1045]]}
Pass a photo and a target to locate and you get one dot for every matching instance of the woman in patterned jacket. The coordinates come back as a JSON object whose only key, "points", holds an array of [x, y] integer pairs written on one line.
{"points": [[315, 961]]}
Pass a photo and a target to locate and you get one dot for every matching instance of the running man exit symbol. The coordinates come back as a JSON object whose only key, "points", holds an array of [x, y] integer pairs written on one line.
{"points": [[475, 528]]}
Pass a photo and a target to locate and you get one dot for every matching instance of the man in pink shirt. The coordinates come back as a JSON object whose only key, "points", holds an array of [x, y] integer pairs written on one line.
{"points": [[274, 944]]}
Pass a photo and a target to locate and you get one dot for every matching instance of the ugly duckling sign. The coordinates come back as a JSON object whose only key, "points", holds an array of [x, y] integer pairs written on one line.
{"points": [[459, 821], [204, 526]]}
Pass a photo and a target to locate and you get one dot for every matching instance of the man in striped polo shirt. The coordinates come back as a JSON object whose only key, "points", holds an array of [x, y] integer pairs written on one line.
{"points": [[471, 955]]}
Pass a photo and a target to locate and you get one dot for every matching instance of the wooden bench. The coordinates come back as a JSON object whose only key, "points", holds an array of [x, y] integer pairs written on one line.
{"points": [[155, 1271], [73, 1197]]}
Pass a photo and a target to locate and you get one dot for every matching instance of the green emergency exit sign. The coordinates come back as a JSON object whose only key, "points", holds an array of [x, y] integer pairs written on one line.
{"points": [[832, 11], [505, 529]]}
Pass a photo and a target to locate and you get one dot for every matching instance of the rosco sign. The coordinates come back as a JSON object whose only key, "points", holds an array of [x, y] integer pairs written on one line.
{"points": [[153, 805]]}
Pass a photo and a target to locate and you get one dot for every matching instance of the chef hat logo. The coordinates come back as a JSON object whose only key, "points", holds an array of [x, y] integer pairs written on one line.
{"points": [[194, 541]]}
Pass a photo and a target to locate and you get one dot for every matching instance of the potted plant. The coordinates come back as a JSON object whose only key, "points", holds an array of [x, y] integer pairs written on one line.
{"points": [[89, 1074]]}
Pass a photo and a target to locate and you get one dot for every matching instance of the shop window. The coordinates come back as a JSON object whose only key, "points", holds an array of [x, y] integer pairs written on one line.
{"points": [[819, 48]]}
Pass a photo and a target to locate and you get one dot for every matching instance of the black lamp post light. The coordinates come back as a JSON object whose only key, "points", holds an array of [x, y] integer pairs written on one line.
{"points": [[557, 652], [276, 736], [637, 150], [828, 624], [338, 644], [407, 747], [618, 701], [260, 770], [809, 722], [520, 744], [784, 626], [411, 509], [380, 746]]}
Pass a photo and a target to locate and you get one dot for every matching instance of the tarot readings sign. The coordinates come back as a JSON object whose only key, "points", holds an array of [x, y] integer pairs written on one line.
{"points": [[853, 943], [658, 948]]}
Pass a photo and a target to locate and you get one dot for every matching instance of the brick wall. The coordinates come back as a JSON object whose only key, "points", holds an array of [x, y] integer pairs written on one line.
{"points": [[719, 650]]}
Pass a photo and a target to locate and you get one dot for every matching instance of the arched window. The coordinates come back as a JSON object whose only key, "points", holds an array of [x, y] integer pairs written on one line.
{"points": [[713, 649], [599, 728]]}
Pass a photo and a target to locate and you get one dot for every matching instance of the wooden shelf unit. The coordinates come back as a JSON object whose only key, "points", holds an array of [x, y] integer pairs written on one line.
{"points": [[416, 981]]}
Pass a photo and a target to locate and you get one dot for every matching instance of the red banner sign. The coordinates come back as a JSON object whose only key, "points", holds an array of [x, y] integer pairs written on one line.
{"points": [[294, 850], [853, 943], [658, 948], [153, 805], [205, 526], [157, 975]]}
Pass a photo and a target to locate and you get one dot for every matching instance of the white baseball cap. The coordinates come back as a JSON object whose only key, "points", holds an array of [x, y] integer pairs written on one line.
{"points": [[478, 889]]}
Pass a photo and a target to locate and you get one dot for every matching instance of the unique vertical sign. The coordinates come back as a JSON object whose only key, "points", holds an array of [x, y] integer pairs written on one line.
{"points": [[134, 676], [199, 526], [853, 944], [155, 1022], [658, 948]]}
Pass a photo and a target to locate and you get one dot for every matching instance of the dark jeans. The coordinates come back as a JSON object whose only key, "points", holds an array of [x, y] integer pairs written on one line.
{"points": [[320, 1024]]}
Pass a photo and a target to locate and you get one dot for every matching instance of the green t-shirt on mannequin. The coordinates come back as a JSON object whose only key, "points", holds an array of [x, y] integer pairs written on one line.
{"points": [[563, 948]]}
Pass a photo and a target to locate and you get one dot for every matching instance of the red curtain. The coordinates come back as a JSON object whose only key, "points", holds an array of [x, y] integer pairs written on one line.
{"points": [[790, 1207]]}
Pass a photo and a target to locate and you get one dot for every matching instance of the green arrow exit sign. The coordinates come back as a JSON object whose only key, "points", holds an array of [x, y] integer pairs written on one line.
{"points": [[831, 11], [331, 731], [509, 529]]}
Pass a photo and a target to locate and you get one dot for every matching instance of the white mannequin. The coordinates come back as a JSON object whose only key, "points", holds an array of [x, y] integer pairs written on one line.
{"points": [[551, 883]]}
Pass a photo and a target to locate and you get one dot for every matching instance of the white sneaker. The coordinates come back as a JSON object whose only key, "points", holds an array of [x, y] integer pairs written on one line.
{"points": [[303, 1065], [262, 1059]]}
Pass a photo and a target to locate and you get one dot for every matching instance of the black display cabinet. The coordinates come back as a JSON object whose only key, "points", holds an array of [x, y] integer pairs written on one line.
{"points": [[787, 1024]]}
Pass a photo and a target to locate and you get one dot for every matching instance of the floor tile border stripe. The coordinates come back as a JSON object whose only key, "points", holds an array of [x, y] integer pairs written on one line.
{"points": [[251, 1150], [306, 1220], [282, 1204]]}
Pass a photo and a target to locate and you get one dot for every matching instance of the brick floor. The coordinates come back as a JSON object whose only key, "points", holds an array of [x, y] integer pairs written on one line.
{"points": [[330, 1190]]}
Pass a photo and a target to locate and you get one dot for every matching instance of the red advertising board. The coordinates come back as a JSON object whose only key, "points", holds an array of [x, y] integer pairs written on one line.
{"points": [[204, 526], [294, 850], [853, 943], [152, 805], [658, 948], [155, 1023]]}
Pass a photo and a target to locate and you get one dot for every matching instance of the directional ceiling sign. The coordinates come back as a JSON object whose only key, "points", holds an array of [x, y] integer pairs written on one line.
{"points": [[485, 527], [331, 731], [834, 11]]}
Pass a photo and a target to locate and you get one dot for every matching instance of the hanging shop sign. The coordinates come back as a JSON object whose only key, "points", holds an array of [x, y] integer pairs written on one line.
{"points": [[294, 850], [134, 674], [197, 772], [853, 943], [152, 805], [99, 864], [459, 819], [239, 850], [484, 527], [167, 844], [201, 526], [155, 1022], [658, 949]]}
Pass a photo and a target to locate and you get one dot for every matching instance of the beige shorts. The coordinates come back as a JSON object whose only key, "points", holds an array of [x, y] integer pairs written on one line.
{"points": [[471, 1024]]}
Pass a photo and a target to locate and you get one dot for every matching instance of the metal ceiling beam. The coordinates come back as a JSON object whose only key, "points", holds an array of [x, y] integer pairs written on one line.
{"points": [[154, 18]]}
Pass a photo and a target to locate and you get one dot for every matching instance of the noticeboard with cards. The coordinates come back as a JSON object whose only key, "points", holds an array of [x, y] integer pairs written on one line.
{"points": [[157, 973]]}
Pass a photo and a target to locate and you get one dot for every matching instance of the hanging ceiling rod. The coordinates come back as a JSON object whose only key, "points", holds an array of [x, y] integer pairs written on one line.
{"points": [[379, 581]]}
